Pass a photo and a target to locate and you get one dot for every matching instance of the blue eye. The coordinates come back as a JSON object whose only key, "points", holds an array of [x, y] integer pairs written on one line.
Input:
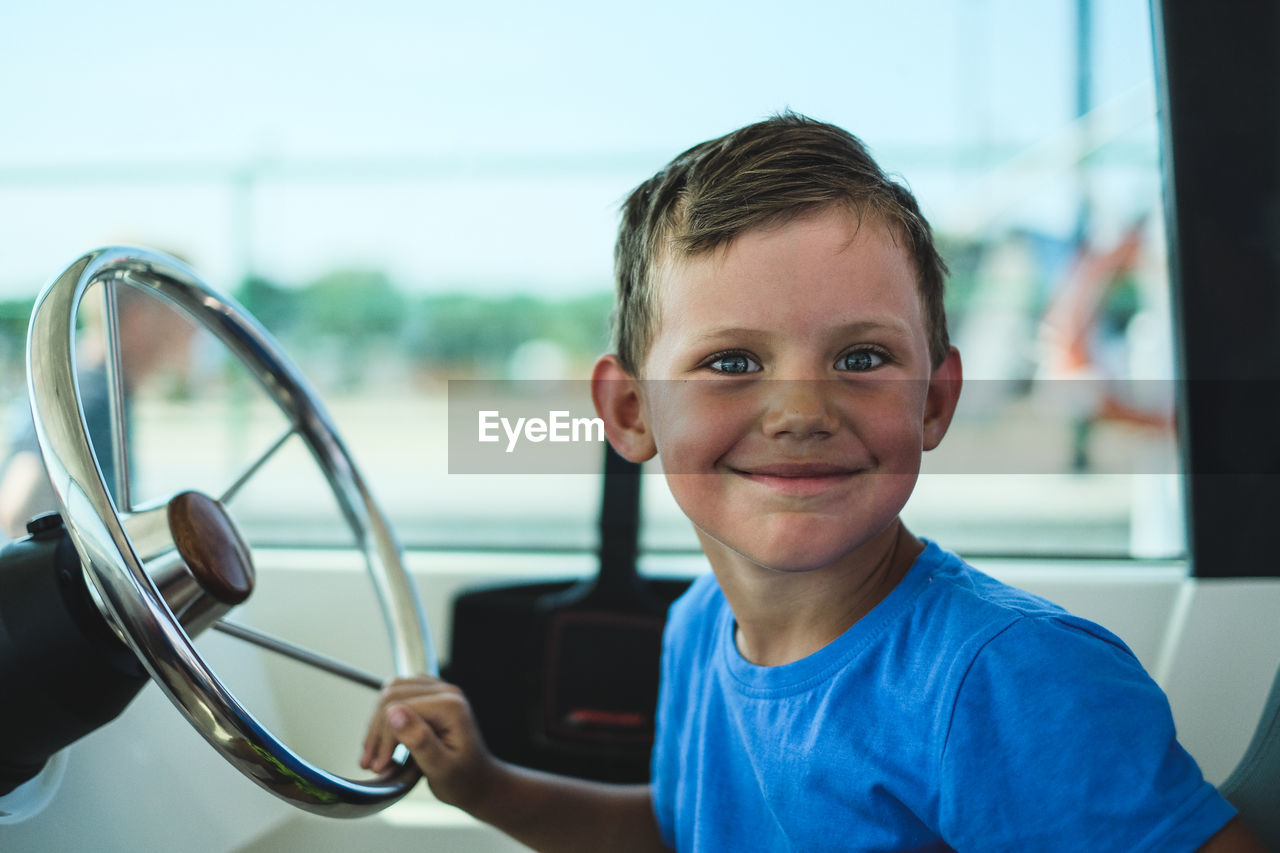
{"points": [[859, 360], [733, 363]]}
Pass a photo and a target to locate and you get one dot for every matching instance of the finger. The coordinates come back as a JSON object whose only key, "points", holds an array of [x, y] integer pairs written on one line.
{"points": [[410, 729], [378, 741], [383, 737], [423, 695], [375, 741], [419, 693]]}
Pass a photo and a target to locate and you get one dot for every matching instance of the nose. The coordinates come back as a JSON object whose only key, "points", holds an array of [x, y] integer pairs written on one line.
{"points": [[799, 408]]}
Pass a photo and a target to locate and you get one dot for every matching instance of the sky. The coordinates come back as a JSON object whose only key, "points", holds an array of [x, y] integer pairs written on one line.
{"points": [[487, 145]]}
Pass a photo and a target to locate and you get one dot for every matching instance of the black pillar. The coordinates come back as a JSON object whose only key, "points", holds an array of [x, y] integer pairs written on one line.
{"points": [[1218, 75]]}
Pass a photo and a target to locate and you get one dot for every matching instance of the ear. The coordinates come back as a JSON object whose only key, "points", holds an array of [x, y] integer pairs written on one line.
{"points": [[941, 399], [618, 400]]}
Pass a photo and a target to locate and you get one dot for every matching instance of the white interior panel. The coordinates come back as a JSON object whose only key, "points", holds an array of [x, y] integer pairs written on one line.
{"points": [[146, 781]]}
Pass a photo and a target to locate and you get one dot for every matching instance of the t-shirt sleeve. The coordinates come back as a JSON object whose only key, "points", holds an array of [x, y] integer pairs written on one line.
{"points": [[1059, 740]]}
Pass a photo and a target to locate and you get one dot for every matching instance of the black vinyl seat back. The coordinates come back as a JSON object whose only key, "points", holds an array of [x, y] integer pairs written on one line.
{"points": [[563, 676]]}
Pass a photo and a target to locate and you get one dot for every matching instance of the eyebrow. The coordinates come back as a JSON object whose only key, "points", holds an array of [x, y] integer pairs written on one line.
{"points": [[858, 328]]}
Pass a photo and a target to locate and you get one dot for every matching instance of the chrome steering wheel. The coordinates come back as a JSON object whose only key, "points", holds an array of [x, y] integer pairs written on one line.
{"points": [[163, 571]]}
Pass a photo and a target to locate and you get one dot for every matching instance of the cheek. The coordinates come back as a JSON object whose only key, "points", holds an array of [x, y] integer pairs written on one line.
{"points": [[899, 453], [892, 426], [693, 429], [690, 492]]}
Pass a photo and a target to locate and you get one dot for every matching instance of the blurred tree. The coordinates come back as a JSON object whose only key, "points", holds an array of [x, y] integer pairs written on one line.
{"points": [[278, 308], [581, 325], [349, 314], [15, 316], [342, 319], [353, 305], [478, 334]]}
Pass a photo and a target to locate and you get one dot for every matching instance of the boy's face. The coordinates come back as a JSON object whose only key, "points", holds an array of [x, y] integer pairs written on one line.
{"points": [[788, 390]]}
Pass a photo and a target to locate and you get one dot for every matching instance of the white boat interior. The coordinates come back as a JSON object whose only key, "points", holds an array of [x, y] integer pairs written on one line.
{"points": [[147, 781]]}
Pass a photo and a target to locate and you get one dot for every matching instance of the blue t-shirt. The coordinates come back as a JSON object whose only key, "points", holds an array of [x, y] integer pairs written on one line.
{"points": [[960, 713]]}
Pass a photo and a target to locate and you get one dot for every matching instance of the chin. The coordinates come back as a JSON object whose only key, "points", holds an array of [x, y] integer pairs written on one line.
{"points": [[793, 552]]}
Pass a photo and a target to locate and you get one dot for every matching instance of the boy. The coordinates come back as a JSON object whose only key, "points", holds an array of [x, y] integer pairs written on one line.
{"points": [[836, 683]]}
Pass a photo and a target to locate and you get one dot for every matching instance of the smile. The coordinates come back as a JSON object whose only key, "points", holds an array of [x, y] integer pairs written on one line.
{"points": [[798, 478]]}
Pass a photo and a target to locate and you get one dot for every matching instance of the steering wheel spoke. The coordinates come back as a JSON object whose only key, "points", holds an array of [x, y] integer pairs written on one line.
{"points": [[115, 397], [309, 657], [254, 466], [163, 571]]}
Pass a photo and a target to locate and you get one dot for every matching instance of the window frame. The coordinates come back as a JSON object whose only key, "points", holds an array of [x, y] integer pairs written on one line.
{"points": [[1218, 90]]}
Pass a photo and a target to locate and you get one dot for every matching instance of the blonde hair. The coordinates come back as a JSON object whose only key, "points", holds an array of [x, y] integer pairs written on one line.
{"points": [[765, 173]]}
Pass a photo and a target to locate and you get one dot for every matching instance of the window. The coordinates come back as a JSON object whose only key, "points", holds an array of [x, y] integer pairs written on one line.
{"points": [[409, 195]]}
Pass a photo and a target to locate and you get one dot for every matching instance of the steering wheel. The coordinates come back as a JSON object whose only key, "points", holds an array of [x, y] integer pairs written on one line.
{"points": [[126, 549]]}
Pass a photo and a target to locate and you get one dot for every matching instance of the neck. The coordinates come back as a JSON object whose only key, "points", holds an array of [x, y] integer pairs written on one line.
{"points": [[785, 616]]}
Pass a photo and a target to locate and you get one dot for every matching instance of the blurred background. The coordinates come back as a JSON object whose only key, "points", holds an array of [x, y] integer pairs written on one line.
{"points": [[411, 193]]}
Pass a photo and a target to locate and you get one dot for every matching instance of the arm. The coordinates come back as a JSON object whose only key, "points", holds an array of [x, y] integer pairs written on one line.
{"points": [[1235, 837], [544, 811]]}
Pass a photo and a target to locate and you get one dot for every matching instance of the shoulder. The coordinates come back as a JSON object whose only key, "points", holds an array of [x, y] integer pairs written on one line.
{"points": [[999, 638], [695, 613], [1058, 670], [1050, 711], [965, 611], [1047, 707], [956, 582], [975, 644]]}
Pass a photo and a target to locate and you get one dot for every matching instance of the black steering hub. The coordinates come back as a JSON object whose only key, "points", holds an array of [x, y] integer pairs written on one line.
{"points": [[65, 673]]}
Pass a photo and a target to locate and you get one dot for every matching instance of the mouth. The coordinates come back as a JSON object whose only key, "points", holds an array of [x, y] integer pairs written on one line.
{"points": [[798, 478]]}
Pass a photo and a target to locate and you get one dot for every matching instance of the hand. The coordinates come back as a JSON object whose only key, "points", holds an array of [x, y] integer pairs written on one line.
{"points": [[541, 810], [433, 719]]}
